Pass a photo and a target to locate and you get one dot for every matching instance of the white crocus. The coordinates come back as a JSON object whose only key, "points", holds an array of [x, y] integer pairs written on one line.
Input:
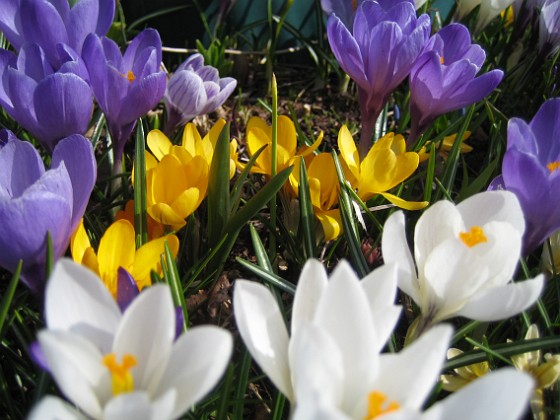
{"points": [[465, 257], [113, 365], [358, 315], [488, 10]]}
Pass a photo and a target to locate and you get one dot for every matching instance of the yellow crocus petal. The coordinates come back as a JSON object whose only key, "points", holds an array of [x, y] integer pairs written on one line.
{"points": [[396, 143], [158, 143], [315, 193], [187, 202], [307, 150], [349, 154], [191, 139], [322, 167], [256, 122], [183, 155], [287, 136], [233, 158], [90, 260], [79, 242], [164, 214], [403, 204], [148, 258], [168, 180], [384, 170], [214, 133], [331, 223], [116, 249]]}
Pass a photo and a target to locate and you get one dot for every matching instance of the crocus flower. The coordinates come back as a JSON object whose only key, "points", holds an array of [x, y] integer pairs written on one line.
{"points": [[113, 365], [443, 78], [323, 191], [50, 105], [50, 23], [464, 375], [378, 55], [489, 9], [357, 315], [194, 89], [117, 249], [125, 86], [445, 146], [160, 145], [530, 171], [549, 28], [35, 202], [385, 166], [465, 258]]}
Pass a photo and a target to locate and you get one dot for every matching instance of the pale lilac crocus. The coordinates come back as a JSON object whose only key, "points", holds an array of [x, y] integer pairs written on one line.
{"points": [[35, 201], [125, 86], [378, 54], [49, 104], [52, 22], [549, 28], [194, 89], [531, 170], [443, 78]]}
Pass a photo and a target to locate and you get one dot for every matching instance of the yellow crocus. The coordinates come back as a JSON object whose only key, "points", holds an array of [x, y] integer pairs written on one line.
{"points": [[155, 229], [323, 191], [117, 248], [464, 375], [176, 186], [259, 134], [192, 142], [386, 165], [445, 146]]}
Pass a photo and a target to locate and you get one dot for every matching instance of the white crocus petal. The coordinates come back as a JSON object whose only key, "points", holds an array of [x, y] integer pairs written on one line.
{"points": [[464, 7], [317, 366], [264, 332], [395, 250], [380, 287], [146, 332], [344, 312], [138, 406], [439, 223], [503, 302], [489, 9], [409, 376], [52, 408], [198, 361], [88, 310], [311, 285], [311, 410], [501, 206], [75, 364], [500, 395]]}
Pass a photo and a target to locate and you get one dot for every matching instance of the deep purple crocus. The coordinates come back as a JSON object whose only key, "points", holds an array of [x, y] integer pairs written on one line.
{"points": [[378, 54], [194, 89], [50, 105], [125, 86], [531, 170], [443, 78], [34, 201], [49, 23], [346, 9]]}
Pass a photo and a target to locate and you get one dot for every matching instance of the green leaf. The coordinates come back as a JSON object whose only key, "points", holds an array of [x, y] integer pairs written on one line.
{"points": [[9, 295], [237, 189], [479, 183], [140, 204], [172, 278], [267, 276], [307, 216]]}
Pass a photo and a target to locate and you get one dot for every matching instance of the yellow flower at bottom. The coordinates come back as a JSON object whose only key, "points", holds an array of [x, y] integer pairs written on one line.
{"points": [[386, 165], [117, 248], [445, 146], [464, 375]]}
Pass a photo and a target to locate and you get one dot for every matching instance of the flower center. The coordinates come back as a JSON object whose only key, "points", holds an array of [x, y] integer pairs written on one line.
{"points": [[552, 166], [473, 237], [130, 76], [378, 405], [354, 5], [122, 380], [441, 60]]}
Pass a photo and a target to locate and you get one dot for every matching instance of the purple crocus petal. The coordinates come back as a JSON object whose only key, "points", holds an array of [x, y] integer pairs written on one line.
{"points": [[45, 24], [8, 26], [343, 9], [127, 289], [143, 95], [476, 90], [14, 156], [19, 87], [549, 28], [148, 38], [89, 16], [77, 154], [33, 62], [63, 106], [146, 64], [71, 62], [497, 184], [179, 319], [457, 41], [105, 16], [545, 126], [194, 62], [37, 354]]}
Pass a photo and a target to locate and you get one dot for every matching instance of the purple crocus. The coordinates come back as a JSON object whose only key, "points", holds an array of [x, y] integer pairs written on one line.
{"points": [[49, 23], [35, 201], [549, 28], [125, 86], [50, 105], [194, 89], [531, 170], [443, 78], [379, 54]]}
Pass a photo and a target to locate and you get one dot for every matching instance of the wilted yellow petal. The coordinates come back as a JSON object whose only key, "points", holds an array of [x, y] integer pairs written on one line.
{"points": [[148, 258], [403, 204], [158, 143], [307, 150]]}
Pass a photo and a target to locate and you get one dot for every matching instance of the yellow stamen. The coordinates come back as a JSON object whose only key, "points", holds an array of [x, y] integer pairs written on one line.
{"points": [[122, 380], [441, 61], [377, 405], [473, 237], [354, 5], [552, 166], [130, 76]]}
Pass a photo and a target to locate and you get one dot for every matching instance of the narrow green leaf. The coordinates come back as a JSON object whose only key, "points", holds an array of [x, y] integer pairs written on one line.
{"points": [[171, 276], [267, 276], [273, 167], [218, 188], [279, 405], [225, 394], [430, 173], [241, 386], [237, 190], [50, 256], [9, 295], [260, 251], [307, 216], [479, 183], [140, 204]]}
